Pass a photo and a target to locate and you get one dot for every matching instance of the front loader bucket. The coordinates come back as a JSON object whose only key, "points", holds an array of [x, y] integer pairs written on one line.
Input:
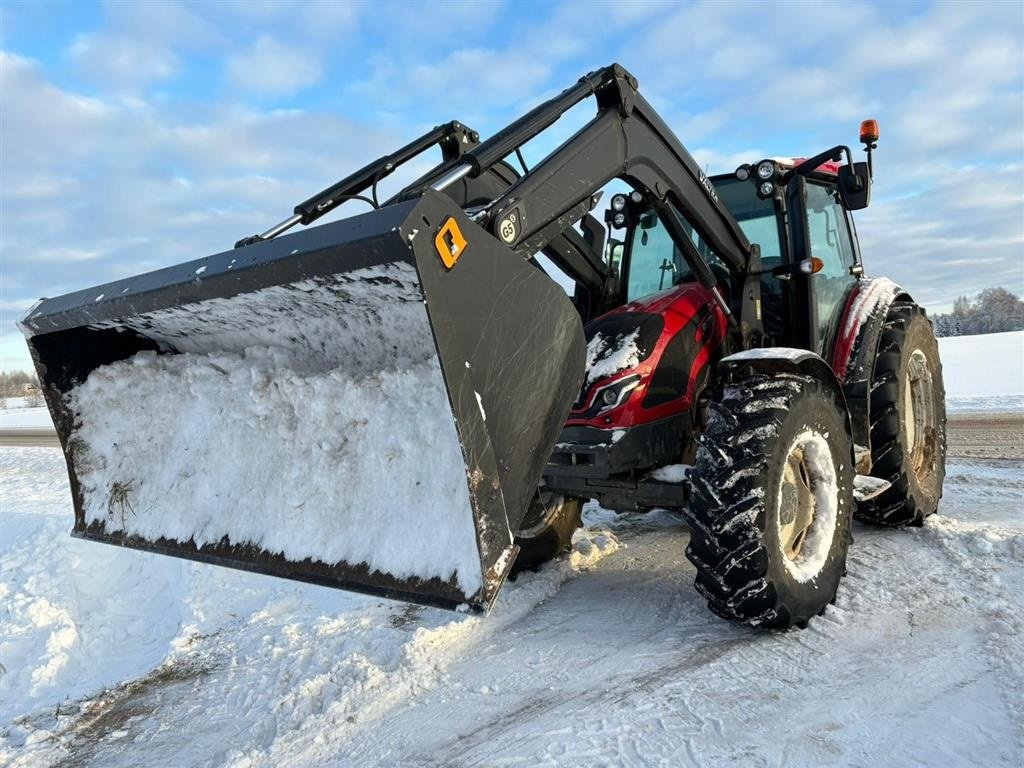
{"points": [[337, 406]]}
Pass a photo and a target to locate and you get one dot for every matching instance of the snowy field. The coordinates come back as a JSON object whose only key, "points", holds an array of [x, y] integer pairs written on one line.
{"points": [[605, 657], [984, 373], [17, 414]]}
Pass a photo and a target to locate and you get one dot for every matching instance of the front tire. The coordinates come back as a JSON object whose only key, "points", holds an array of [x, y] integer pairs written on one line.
{"points": [[547, 529], [771, 501], [908, 421]]}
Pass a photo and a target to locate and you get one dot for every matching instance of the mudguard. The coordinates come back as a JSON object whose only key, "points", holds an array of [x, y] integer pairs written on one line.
{"points": [[853, 357]]}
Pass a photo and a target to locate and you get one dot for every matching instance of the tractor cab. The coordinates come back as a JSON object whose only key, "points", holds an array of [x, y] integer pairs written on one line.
{"points": [[809, 267], [797, 210]]}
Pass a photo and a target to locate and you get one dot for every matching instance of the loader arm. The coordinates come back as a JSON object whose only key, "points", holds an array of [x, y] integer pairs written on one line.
{"points": [[628, 140]]}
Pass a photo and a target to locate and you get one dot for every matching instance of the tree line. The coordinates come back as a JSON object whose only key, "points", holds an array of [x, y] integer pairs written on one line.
{"points": [[20, 384], [994, 310]]}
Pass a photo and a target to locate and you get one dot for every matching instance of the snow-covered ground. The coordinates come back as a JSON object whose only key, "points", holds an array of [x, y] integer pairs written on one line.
{"points": [[18, 415], [606, 657], [984, 373]]}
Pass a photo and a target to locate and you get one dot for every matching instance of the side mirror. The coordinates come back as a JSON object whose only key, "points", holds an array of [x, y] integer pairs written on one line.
{"points": [[649, 221], [855, 186], [615, 251], [593, 234]]}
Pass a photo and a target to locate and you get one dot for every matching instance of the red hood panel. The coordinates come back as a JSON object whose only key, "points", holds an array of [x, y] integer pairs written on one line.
{"points": [[688, 309]]}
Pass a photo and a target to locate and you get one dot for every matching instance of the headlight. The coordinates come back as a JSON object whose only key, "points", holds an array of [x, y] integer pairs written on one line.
{"points": [[618, 202], [619, 220], [765, 169], [766, 189], [613, 395], [743, 172], [636, 196]]}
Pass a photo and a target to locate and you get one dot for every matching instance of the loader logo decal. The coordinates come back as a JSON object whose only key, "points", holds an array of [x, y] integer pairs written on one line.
{"points": [[449, 243], [508, 228]]}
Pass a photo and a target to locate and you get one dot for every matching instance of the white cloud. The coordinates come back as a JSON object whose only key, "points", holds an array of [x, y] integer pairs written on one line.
{"points": [[271, 67], [92, 187], [137, 46], [945, 81], [120, 61]]}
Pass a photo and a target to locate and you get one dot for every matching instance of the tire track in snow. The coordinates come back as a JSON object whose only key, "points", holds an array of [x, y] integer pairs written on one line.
{"points": [[879, 679]]}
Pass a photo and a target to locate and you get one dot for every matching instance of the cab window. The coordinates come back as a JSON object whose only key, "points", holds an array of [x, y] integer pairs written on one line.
{"points": [[830, 241], [655, 263], [759, 222]]}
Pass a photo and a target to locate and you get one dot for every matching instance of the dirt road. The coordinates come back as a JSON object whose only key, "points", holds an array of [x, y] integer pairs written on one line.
{"points": [[983, 435], [27, 438]]}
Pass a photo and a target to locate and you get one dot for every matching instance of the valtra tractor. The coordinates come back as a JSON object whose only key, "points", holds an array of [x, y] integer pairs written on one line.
{"points": [[722, 353]]}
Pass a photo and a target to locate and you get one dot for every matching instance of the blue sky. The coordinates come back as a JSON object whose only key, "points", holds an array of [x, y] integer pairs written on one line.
{"points": [[136, 135]]}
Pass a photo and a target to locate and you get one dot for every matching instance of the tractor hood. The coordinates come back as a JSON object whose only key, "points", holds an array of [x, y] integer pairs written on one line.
{"points": [[643, 357]]}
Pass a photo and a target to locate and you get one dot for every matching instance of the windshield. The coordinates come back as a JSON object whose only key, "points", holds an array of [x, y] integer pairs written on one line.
{"points": [[756, 217], [655, 263]]}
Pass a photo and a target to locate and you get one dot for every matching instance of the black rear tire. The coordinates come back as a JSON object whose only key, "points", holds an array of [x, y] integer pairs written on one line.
{"points": [[774, 448], [908, 421], [547, 529]]}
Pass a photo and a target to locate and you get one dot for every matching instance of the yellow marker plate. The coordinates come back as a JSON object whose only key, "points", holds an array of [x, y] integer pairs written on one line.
{"points": [[449, 243]]}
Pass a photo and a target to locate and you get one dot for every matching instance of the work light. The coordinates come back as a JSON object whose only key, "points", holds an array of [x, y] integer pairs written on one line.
{"points": [[765, 170]]}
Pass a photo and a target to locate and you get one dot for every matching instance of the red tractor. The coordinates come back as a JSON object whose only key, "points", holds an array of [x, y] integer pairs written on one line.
{"points": [[768, 451], [723, 354]]}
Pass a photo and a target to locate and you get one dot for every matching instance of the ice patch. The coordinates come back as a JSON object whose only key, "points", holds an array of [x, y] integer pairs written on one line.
{"points": [[768, 353], [867, 487], [879, 290]]}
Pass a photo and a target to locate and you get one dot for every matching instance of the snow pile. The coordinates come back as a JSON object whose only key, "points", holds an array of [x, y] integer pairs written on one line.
{"points": [[976, 540], [608, 356], [130, 651], [336, 443], [984, 372], [671, 473], [76, 616]]}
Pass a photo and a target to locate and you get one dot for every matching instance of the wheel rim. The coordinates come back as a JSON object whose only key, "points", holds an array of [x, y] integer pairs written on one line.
{"points": [[919, 416], [807, 505], [541, 513], [796, 514]]}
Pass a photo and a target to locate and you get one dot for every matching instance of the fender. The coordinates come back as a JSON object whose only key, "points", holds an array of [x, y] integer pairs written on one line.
{"points": [[773, 360], [857, 339]]}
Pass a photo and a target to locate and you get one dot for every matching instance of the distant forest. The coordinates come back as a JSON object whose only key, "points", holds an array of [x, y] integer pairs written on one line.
{"points": [[994, 310], [20, 384]]}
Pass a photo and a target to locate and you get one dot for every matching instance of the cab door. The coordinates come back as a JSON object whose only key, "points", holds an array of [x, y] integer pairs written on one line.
{"points": [[820, 230]]}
